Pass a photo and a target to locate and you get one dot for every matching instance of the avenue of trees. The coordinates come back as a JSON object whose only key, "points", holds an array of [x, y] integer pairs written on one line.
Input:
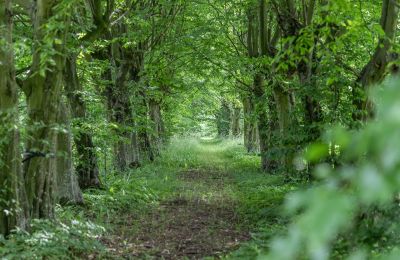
{"points": [[89, 87]]}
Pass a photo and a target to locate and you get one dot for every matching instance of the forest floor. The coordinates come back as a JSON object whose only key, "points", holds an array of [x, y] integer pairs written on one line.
{"points": [[207, 199]]}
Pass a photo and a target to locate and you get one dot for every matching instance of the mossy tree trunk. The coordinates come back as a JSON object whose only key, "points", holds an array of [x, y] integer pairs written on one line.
{"points": [[67, 181], [264, 131], [12, 199], [223, 119], [127, 65], [256, 45], [250, 127], [143, 125], [135, 70], [376, 69], [289, 25], [283, 108], [306, 69], [120, 113], [87, 165], [235, 121], [43, 91], [158, 131]]}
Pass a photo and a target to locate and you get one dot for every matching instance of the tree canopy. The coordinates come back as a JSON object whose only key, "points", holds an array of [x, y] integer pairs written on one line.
{"points": [[97, 95]]}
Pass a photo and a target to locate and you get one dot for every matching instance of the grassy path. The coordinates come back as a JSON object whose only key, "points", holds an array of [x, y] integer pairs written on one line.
{"points": [[209, 196]]}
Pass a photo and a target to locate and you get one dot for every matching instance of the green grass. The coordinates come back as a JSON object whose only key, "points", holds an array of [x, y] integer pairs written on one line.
{"points": [[203, 171], [257, 195]]}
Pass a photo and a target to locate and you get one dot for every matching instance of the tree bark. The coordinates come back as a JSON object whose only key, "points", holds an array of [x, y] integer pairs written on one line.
{"points": [[250, 126], [283, 108], [67, 182], [127, 65], [143, 126], [119, 108], [43, 91], [263, 121], [157, 125], [12, 202], [266, 126], [87, 166], [235, 121], [140, 140], [375, 70], [252, 142], [288, 19], [223, 120]]}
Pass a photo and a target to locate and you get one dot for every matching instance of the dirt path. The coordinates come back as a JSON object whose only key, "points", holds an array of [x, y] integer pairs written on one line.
{"points": [[198, 221]]}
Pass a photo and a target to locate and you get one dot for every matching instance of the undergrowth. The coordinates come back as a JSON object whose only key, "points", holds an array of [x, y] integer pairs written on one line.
{"points": [[260, 196], [77, 230], [67, 239]]}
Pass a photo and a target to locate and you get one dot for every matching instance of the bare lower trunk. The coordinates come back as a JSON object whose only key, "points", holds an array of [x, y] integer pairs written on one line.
{"points": [[40, 168], [87, 166], [157, 136], [235, 121], [136, 67], [223, 120], [135, 159], [313, 117], [250, 128], [263, 125], [67, 181], [120, 112], [275, 150], [283, 108], [144, 136]]}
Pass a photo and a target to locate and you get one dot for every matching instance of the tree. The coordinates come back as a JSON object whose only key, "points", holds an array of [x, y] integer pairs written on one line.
{"points": [[236, 115], [12, 199], [87, 166], [43, 91], [223, 119], [376, 69]]}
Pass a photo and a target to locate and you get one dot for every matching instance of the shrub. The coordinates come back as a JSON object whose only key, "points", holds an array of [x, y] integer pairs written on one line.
{"points": [[53, 240]]}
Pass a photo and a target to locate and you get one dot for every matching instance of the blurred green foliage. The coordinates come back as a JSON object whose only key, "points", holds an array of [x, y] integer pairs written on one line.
{"points": [[351, 210]]}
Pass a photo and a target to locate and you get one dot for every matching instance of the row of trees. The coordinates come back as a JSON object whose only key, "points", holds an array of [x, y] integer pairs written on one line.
{"points": [[79, 79], [43, 43], [301, 65]]}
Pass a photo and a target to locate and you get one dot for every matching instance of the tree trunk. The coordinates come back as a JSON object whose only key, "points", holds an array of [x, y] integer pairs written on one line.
{"points": [[223, 120], [43, 91], [67, 182], [157, 136], [139, 109], [312, 109], [235, 121], [12, 202], [119, 108], [143, 126], [284, 111], [263, 121], [288, 19], [275, 141], [87, 166], [375, 70], [250, 127]]}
